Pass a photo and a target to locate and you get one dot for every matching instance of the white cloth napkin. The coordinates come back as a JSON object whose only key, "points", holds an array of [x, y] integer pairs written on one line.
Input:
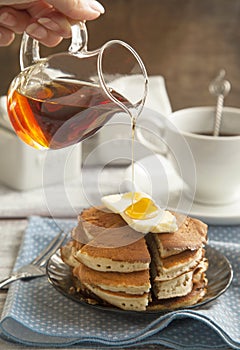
{"points": [[151, 171], [116, 134]]}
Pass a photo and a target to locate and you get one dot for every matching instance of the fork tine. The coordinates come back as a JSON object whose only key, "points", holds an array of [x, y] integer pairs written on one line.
{"points": [[48, 248], [42, 262]]}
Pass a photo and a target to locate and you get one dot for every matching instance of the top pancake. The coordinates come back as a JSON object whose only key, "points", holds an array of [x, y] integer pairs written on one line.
{"points": [[94, 218], [114, 247], [191, 235], [113, 242]]}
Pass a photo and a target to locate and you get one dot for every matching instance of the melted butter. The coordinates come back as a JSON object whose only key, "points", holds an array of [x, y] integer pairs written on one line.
{"points": [[142, 210]]}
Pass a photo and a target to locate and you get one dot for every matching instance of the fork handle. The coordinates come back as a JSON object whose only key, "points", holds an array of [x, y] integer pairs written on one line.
{"points": [[10, 279]]}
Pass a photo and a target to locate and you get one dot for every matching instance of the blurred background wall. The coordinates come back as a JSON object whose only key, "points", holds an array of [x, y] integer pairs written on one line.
{"points": [[186, 41]]}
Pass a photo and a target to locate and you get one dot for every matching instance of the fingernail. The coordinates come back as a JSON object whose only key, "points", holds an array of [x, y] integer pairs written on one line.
{"points": [[46, 22], [8, 19], [37, 31], [96, 6]]}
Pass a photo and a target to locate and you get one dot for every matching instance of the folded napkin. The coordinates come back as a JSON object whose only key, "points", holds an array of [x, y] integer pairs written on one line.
{"points": [[113, 141], [35, 314]]}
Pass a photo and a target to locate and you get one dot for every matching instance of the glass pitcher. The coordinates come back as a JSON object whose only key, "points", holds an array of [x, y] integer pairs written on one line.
{"points": [[63, 99]]}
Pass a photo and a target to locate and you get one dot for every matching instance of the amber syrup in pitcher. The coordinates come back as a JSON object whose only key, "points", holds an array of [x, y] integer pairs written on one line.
{"points": [[61, 113]]}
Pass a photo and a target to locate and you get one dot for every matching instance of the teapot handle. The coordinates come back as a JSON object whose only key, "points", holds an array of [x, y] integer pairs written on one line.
{"points": [[29, 50]]}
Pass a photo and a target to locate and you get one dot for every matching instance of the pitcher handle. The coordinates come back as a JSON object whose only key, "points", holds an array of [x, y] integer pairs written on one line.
{"points": [[29, 49]]}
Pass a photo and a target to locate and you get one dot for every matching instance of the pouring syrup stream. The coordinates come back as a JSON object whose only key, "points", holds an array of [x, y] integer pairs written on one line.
{"points": [[133, 126]]}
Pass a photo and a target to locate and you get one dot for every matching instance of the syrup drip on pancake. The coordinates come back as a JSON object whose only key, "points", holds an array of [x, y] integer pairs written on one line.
{"points": [[144, 208]]}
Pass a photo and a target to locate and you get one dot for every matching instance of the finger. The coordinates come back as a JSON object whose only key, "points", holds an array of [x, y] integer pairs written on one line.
{"points": [[6, 36], [39, 9], [43, 35], [57, 23], [78, 9], [13, 19], [50, 18]]}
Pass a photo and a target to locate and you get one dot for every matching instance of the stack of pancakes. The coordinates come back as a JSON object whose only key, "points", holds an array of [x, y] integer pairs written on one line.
{"points": [[114, 264], [126, 269]]}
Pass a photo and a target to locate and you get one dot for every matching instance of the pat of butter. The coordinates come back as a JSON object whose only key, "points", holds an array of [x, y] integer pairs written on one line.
{"points": [[162, 221]]}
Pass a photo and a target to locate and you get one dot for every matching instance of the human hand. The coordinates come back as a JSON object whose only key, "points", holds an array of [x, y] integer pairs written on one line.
{"points": [[48, 21]]}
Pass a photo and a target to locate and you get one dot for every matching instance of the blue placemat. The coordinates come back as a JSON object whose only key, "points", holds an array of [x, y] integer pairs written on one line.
{"points": [[35, 314]]}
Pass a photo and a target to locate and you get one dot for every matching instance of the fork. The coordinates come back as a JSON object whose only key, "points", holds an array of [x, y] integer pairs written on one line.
{"points": [[36, 267]]}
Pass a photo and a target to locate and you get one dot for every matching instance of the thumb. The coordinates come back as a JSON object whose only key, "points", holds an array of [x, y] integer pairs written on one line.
{"points": [[78, 9]]}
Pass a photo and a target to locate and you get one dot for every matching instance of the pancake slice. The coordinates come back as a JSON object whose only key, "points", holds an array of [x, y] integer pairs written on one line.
{"points": [[176, 287], [181, 285], [191, 235], [172, 266], [127, 258], [137, 302], [197, 294], [130, 283]]}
